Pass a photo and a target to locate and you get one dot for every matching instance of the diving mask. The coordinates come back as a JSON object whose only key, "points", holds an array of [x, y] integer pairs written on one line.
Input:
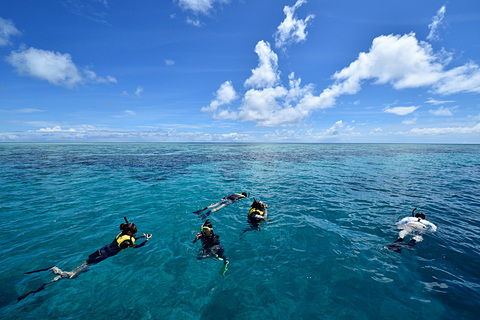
{"points": [[206, 230]]}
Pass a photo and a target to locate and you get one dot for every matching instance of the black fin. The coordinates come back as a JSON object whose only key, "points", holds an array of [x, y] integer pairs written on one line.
{"points": [[32, 292], [39, 270]]}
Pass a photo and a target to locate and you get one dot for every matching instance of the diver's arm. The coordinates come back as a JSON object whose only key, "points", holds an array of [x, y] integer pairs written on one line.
{"points": [[147, 236], [433, 228], [258, 217], [404, 221]]}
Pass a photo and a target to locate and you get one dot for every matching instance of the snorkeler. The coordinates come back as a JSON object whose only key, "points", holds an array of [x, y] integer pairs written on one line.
{"points": [[225, 201], [211, 247], [123, 240], [416, 224], [257, 214]]}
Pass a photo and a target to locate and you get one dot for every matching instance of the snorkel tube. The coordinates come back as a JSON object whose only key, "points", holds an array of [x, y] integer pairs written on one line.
{"points": [[413, 215]]}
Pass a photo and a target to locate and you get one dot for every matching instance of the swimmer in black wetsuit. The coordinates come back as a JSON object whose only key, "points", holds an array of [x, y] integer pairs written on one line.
{"points": [[122, 241], [225, 201], [257, 214], [211, 247]]}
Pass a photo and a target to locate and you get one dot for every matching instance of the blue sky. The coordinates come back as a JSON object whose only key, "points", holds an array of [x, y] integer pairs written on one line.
{"points": [[240, 71]]}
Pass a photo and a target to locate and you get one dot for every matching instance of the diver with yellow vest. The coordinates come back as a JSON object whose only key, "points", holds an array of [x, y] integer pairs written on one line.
{"points": [[258, 211], [225, 201], [123, 240], [211, 247], [256, 214]]}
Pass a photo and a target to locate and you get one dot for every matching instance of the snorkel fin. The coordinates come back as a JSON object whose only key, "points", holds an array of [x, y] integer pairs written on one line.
{"points": [[223, 269]]}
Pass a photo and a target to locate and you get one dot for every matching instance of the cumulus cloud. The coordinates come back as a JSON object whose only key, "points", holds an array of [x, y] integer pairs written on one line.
{"points": [[397, 60], [266, 74], [267, 101], [54, 67], [225, 95], [292, 30], [404, 62], [401, 61], [199, 6], [401, 111], [436, 23], [7, 30]]}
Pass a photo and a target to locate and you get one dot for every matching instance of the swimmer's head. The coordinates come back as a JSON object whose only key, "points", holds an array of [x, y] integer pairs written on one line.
{"points": [[244, 194], [207, 228], [420, 215], [128, 228]]}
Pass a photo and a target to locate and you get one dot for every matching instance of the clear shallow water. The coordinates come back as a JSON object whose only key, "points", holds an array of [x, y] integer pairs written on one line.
{"points": [[322, 255]]}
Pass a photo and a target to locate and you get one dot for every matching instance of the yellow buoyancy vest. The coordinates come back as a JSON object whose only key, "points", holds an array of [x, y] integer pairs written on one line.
{"points": [[255, 211], [122, 237]]}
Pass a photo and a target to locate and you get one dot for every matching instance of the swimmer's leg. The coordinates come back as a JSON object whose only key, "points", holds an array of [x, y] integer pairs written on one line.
{"points": [[396, 246], [210, 206], [206, 214], [69, 274]]}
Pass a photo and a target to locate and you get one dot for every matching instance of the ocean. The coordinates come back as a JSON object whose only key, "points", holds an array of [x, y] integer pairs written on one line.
{"points": [[322, 254]]}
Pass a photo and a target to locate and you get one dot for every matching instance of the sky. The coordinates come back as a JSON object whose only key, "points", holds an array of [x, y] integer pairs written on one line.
{"points": [[307, 71]]}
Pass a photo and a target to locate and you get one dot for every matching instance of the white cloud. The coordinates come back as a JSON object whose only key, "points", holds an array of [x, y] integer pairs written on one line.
{"points": [[266, 74], [139, 91], [410, 121], [225, 95], [169, 62], [193, 22], [404, 62], [437, 102], [445, 131], [55, 129], [199, 6], [292, 30], [401, 111], [443, 112], [436, 22], [7, 30], [54, 67], [130, 112], [25, 110], [465, 78], [401, 61], [268, 102]]}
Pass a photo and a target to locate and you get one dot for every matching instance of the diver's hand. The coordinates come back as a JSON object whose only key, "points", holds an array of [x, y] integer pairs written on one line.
{"points": [[148, 236], [197, 236]]}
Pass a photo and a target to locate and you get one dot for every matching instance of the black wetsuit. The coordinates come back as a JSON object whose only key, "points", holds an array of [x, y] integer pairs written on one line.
{"points": [[111, 249], [211, 247], [234, 197]]}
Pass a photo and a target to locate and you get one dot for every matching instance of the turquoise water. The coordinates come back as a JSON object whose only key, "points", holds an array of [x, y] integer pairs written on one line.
{"points": [[322, 255]]}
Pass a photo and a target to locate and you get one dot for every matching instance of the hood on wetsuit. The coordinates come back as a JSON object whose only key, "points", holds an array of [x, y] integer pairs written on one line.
{"points": [[128, 227], [418, 215], [207, 228]]}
